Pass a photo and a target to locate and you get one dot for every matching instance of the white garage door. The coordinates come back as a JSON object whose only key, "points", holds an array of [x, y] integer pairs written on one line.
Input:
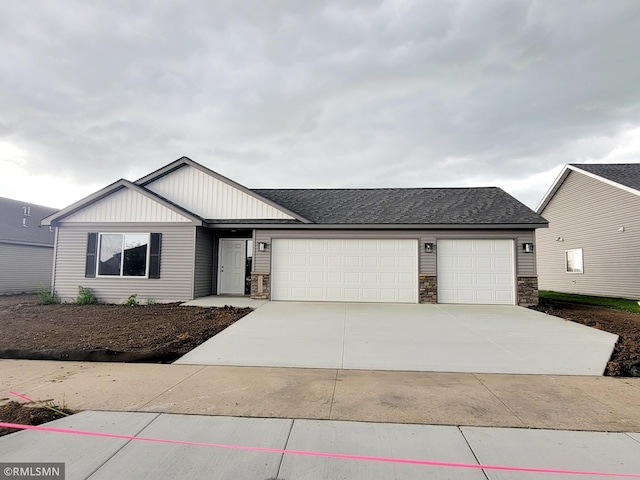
{"points": [[345, 270], [476, 271]]}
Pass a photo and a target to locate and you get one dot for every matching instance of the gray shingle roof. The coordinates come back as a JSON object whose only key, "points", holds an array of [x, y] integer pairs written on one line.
{"points": [[405, 206], [11, 222], [627, 174]]}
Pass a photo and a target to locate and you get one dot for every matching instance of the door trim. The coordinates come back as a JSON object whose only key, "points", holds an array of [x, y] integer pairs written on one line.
{"points": [[219, 277]]}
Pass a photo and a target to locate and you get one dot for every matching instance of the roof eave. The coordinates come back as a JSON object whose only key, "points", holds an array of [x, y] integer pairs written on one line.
{"points": [[381, 226]]}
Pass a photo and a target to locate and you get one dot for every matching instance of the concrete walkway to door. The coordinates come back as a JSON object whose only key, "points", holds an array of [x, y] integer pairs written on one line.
{"points": [[437, 338]]}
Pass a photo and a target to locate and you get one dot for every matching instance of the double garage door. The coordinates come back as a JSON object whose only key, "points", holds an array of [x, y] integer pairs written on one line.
{"points": [[345, 270], [386, 271]]}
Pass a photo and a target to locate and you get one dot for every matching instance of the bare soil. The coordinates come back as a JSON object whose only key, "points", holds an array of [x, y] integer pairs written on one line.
{"points": [[151, 333], [26, 414], [625, 360]]}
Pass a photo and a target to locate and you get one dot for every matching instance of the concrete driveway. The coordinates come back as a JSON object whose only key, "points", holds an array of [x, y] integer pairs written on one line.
{"points": [[438, 338]]}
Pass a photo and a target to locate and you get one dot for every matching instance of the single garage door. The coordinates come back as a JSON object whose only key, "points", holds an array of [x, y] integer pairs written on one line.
{"points": [[476, 271], [335, 270]]}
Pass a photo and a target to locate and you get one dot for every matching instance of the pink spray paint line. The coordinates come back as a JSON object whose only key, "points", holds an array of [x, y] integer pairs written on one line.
{"points": [[314, 454], [317, 454]]}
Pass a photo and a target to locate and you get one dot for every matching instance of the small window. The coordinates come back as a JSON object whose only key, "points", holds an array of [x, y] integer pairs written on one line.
{"points": [[123, 255], [574, 260]]}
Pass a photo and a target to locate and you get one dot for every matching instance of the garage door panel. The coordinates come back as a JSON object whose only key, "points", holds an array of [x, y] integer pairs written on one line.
{"points": [[348, 270], [476, 271]]}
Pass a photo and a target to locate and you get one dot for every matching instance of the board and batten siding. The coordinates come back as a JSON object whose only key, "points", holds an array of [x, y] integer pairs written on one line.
{"points": [[587, 213], [525, 262], [25, 268], [209, 197], [203, 277], [125, 205], [176, 265]]}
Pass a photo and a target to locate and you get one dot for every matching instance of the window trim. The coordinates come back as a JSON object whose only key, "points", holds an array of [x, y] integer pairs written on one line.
{"points": [[566, 261], [147, 262]]}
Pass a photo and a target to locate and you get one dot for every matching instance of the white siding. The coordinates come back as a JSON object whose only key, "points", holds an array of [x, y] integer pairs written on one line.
{"points": [[587, 213], [24, 268], [176, 270], [125, 205], [209, 197]]}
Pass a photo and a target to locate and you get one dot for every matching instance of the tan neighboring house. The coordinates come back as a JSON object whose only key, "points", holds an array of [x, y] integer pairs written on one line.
{"points": [[592, 245], [26, 248], [185, 231]]}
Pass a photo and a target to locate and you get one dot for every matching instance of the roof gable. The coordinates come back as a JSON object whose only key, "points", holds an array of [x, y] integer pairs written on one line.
{"points": [[210, 195], [625, 176], [122, 202]]}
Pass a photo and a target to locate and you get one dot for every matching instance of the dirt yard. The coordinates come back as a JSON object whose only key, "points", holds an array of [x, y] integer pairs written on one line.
{"points": [[28, 414], [626, 355], [150, 333]]}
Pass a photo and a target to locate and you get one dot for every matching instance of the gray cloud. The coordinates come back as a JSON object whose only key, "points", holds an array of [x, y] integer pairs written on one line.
{"points": [[320, 93]]}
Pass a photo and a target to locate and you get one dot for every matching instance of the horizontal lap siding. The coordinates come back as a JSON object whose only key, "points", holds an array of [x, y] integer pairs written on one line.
{"points": [[588, 214], [25, 269], [176, 271], [203, 282], [526, 263]]}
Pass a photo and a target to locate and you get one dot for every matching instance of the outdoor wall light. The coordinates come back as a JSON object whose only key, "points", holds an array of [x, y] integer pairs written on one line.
{"points": [[429, 247], [262, 246], [527, 247]]}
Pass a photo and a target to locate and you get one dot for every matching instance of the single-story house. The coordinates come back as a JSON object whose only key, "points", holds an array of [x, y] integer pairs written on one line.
{"points": [[185, 231], [591, 245], [26, 249]]}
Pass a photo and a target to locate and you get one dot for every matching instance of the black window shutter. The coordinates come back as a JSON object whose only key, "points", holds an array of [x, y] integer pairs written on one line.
{"points": [[92, 249], [154, 256]]}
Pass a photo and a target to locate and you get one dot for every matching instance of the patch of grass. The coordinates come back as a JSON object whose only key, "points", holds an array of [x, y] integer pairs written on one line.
{"points": [[615, 303], [86, 297], [46, 297]]}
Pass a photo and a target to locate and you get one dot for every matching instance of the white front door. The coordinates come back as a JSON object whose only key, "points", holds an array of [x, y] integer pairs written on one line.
{"points": [[231, 269]]}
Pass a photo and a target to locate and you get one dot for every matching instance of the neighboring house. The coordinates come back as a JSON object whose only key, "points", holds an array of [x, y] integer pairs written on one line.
{"points": [[26, 249], [199, 233], [592, 245]]}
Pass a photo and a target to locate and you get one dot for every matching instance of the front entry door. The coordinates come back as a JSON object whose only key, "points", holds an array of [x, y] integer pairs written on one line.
{"points": [[232, 267]]}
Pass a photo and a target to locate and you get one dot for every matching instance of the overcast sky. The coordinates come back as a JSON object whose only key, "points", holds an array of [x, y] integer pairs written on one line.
{"points": [[323, 94]]}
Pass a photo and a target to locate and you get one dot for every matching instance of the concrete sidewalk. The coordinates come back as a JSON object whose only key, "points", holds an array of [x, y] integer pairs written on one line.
{"points": [[99, 457], [534, 401]]}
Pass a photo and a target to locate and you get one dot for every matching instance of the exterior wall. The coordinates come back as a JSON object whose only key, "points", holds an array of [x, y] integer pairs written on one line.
{"points": [[204, 273], [24, 268], [527, 291], [260, 286], [209, 197], [428, 289], [126, 205], [525, 262], [587, 213], [176, 270]]}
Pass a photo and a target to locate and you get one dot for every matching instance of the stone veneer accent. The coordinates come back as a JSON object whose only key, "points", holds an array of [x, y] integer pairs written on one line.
{"points": [[260, 286], [427, 289], [527, 291]]}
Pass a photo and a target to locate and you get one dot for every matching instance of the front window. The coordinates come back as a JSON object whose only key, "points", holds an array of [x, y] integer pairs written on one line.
{"points": [[123, 255], [574, 260]]}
